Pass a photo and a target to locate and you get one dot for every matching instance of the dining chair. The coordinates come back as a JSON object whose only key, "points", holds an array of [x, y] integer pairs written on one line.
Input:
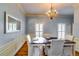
{"points": [[56, 48], [40, 44], [32, 50], [69, 37], [68, 49]]}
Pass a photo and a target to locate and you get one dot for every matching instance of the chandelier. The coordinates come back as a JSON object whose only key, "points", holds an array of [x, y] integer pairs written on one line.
{"points": [[52, 13]]}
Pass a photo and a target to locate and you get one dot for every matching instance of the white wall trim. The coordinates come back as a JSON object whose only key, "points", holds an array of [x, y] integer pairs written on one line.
{"points": [[12, 47]]}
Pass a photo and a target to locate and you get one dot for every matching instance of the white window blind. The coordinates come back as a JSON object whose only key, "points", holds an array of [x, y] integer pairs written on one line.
{"points": [[61, 31], [39, 30]]}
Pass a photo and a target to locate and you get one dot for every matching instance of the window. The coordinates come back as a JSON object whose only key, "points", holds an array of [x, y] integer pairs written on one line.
{"points": [[61, 31], [39, 30], [12, 27]]}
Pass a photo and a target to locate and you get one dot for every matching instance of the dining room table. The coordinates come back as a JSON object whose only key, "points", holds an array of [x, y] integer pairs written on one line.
{"points": [[47, 43]]}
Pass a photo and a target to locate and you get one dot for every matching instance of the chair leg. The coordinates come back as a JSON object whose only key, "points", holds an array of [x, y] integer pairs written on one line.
{"points": [[73, 52]]}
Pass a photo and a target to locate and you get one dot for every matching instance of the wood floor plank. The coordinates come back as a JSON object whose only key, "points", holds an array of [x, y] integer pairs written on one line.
{"points": [[23, 51]]}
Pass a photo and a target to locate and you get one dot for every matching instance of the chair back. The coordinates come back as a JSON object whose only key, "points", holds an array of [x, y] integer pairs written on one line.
{"points": [[69, 37], [29, 38], [32, 51], [56, 48]]}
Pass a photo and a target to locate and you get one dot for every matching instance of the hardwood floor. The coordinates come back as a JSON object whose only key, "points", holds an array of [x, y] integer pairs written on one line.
{"points": [[24, 51], [76, 53]]}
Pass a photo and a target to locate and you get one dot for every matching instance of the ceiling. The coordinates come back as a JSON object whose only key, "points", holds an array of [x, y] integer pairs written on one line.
{"points": [[38, 8]]}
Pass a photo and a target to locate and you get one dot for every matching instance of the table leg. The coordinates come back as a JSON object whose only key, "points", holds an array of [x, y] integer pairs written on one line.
{"points": [[41, 50]]}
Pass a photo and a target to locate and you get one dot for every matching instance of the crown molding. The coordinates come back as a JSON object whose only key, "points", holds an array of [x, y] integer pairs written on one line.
{"points": [[34, 14]]}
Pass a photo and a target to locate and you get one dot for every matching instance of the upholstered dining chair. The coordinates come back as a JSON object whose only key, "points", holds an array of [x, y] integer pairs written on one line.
{"points": [[69, 37], [32, 50], [68, 48], [56, 48]]}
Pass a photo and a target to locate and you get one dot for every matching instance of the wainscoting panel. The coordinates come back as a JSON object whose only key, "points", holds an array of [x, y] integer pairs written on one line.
{"points": [[12, 47]]}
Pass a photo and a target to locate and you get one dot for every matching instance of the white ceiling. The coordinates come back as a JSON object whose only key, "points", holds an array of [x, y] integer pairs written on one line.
{"points": [[63, 9]]}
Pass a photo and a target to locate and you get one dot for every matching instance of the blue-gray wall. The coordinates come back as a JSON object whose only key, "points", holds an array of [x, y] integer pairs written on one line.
{"points": [[15, 12], [76, 22], [50, 26]]}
